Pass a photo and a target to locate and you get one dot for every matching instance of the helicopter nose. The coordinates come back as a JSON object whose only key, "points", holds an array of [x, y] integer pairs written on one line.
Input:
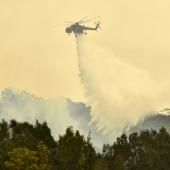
{"points": [[68, 30]]}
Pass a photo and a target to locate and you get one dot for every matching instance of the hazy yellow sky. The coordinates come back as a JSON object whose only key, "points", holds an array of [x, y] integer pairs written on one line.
{"points": [[37, 56]]}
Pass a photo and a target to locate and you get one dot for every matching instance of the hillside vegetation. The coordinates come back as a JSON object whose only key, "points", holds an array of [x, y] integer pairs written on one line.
{"points": [[24, 146]]}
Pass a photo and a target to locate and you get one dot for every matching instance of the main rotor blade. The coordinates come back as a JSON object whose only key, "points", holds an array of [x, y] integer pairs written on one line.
{"points": [[82, 19], [91, 19]]}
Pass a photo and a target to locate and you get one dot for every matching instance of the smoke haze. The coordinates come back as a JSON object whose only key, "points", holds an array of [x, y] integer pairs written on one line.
{"points": [[59, 113], [23, 106], [125, 70]]}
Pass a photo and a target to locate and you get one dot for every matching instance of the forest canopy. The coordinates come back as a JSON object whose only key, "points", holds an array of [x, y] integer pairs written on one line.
{"points": [[25, 146]]}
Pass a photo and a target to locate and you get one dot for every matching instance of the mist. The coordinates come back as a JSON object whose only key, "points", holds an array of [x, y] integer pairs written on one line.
{"points": [[22, 106], [124, 67], [59, 113], [120, 94]]}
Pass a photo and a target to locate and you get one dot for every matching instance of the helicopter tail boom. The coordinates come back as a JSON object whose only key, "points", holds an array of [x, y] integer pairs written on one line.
{"points": [[90, 28]]}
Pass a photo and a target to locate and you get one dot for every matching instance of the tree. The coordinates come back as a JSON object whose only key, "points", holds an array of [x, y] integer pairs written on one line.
{"points": [[43, 156], [100, 164], [4, 131], [108, 155], [88, 154], [25, 159], [5, 144], [27, 135], [119, 162], [149, 150], [74, 152], [22, 159], [22, 135], [121, 152], [43, 133]]}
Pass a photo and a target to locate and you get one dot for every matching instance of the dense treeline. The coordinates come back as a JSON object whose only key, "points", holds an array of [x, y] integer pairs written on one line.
{"points": [[24, 146]]}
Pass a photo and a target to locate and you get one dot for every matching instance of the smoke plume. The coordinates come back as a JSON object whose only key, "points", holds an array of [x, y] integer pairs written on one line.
{"points": [[119, 93], [22, 106], [59, 113]]}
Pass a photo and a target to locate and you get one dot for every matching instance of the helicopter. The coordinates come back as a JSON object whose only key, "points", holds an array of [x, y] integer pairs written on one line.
{"points": [[77, 28]]}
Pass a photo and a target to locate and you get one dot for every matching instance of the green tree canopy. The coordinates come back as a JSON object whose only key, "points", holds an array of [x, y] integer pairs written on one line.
{"points": [[25, 159]]}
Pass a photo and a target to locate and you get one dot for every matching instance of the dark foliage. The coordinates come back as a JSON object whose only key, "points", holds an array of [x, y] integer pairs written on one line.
{"points": [[148, 149]]}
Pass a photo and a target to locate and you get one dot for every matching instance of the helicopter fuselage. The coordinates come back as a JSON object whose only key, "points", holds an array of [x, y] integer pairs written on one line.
{"points": [[79, 29]]}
